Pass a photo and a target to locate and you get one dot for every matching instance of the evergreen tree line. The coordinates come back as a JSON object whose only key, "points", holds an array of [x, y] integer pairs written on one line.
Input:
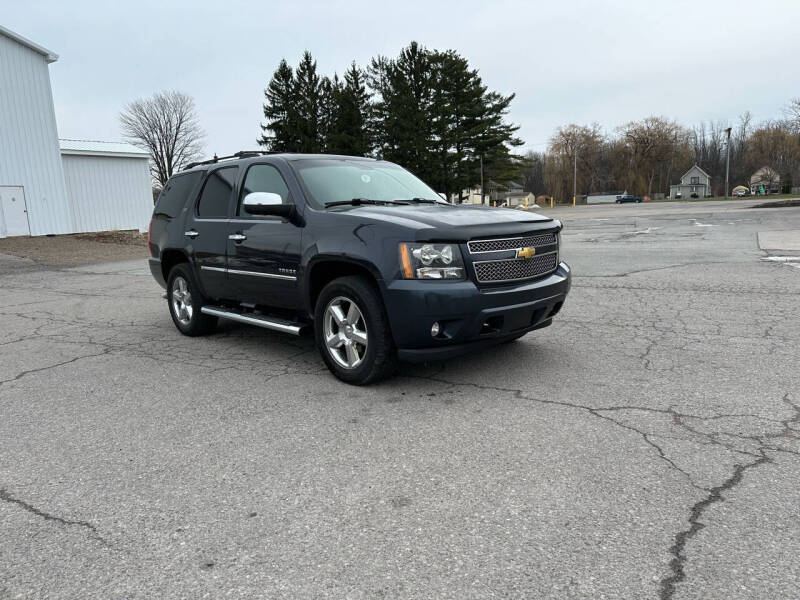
{"points": [[426, 110], [645, 157]]}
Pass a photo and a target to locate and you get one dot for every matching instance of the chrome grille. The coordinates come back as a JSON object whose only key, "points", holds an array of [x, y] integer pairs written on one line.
{"points": [[499, 245], [515, 268]]}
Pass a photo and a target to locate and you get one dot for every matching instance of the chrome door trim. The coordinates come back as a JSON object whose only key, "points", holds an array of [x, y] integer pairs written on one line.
{"points": [[251, 273], [259, 274]]}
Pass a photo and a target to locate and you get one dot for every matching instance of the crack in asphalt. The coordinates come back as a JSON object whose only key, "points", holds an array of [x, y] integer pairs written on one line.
{"points": [[677, 574], [93, 533], [87, 333], [48, 367], [668, 584]]}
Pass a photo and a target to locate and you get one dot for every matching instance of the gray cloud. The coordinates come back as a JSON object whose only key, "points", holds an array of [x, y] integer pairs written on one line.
{"points": [[577, 61]]}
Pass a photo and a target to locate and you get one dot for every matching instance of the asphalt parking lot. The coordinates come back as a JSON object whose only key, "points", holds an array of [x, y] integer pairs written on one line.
{"points": [[647, 445]]}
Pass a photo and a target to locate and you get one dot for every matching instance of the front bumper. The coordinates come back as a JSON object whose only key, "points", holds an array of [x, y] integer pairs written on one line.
{"points": [[470, 317]]}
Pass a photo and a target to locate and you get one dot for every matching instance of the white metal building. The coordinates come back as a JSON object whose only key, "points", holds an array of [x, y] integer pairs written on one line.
{"points": [[108, 185], [49, 188]]}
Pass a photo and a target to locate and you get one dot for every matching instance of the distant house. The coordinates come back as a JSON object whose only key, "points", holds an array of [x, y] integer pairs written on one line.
{"points": [[695, 182], [509, 193], [765, 181]]}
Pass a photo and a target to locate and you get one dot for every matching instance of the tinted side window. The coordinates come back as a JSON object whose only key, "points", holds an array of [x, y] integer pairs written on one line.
{"points": [[216, 193], [173, 197], [263, 178]]}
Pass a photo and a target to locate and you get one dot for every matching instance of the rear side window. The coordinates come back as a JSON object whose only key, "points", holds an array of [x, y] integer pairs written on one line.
{"points": [[175, 194], [217, 193]]}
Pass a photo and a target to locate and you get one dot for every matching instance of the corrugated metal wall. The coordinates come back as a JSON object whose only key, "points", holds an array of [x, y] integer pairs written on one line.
{"points": [[29, 152], [108, 192]]}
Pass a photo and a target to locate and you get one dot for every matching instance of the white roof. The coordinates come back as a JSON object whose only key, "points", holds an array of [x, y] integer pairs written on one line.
{"points": [[48, 55], [96, 148]]}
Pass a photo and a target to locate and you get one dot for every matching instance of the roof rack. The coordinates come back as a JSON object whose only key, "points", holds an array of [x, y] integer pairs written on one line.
{"points": [[237, 155]]}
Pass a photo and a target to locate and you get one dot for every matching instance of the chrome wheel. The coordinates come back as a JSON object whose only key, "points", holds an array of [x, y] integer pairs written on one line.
{"points": [[345, 332], [182, 301]]}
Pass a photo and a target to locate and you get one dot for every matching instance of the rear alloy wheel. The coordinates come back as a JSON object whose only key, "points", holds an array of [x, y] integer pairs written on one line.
{"points": [[182, 301], [352, 331], [185, 303]]}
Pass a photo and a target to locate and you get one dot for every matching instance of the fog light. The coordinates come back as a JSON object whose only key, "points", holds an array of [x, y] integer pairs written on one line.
{"points": [[435, 329]]}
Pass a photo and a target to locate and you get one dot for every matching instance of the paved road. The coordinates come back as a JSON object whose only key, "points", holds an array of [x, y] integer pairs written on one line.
{"points": [[644, 446]]}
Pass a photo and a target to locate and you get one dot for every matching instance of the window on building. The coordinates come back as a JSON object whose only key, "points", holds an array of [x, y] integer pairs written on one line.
{"points": [[695, 180], [216, 193]]}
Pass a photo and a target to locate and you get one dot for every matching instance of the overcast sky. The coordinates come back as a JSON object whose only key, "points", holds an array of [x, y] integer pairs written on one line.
{"points": [[567, 61]]}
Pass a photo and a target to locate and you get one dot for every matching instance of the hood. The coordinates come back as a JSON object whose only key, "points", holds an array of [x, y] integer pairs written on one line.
{"points": [[436, 222]]}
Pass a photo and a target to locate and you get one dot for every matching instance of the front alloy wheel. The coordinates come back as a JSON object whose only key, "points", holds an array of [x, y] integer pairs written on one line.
{"points": [[345, 332], [352, 331]]}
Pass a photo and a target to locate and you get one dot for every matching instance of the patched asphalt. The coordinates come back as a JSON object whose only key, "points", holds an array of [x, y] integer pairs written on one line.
{"points": [[647, 445]]}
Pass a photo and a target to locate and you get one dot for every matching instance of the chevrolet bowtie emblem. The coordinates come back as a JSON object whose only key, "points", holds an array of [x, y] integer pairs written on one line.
{"points": [[526, 252]]}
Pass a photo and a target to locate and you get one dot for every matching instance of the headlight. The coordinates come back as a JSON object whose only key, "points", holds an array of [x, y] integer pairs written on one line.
{"points": [[431, 261]]}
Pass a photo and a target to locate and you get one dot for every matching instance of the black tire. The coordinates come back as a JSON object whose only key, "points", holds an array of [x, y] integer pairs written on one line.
{"points": [[185, 311], [377, 359]]}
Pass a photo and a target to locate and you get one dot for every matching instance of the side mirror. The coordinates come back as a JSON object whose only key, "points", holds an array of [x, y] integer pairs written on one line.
{"points": [[267, 203]]}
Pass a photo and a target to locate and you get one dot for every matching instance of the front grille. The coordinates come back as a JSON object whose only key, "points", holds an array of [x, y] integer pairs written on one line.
{"points": [[499, 245], [515, 268]]}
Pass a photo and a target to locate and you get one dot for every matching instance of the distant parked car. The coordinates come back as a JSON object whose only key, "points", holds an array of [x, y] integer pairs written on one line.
{"points": [[694, 195], [740, 193], [623, 199]]}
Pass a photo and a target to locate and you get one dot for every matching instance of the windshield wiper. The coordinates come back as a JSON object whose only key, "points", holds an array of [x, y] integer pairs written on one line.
{"points": [[360, 201], [419, 200]]}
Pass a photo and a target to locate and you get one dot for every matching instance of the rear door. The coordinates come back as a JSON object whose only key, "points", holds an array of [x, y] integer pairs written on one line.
{"points": [[264, 251], [207, 231]]}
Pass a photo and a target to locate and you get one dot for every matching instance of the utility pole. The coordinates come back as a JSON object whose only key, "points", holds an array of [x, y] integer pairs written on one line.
{"points": [[483, 193], [575, 178], [727, 161]]}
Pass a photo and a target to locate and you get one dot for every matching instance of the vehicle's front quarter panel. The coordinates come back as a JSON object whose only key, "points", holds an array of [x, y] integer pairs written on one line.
{"points": [[337, 236]]}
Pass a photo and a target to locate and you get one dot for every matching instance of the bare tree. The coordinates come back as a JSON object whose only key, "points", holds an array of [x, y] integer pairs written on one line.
{"points": [[582, 142], [793, 114], [654, 147], [167, 126]]}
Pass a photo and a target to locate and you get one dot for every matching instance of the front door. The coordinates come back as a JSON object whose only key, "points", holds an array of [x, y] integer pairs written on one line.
{"points": [[13, 212], [264, 251], [207, 232]]}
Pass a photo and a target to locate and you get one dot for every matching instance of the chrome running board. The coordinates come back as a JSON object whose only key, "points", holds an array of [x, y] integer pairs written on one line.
{"points": [[258, 320]]}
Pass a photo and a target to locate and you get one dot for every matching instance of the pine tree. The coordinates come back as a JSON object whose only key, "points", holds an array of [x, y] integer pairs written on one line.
{"points": [[330, 91], [404, 110], [278, 133], [458, 103], [426, 110], [349, 134], [308, 98]]}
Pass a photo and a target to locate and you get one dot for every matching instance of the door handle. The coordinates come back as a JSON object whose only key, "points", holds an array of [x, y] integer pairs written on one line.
{"points": [[237, 237], [192, 233]]}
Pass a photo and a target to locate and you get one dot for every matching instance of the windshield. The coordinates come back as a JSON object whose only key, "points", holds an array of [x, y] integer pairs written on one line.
{"points": [[330, 180]]}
